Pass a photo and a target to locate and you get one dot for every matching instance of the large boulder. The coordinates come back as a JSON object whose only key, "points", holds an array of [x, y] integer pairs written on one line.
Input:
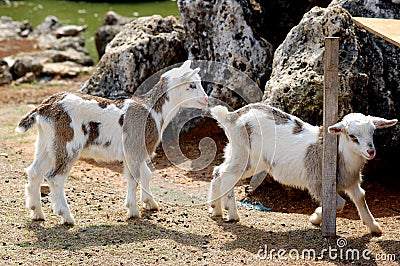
{"points": [[222, 31], [24, 65], [367, 85], [112, 25], [296, 83], [143, 47], [279, 16], [384, 98], [5, 75], [385, 76]]}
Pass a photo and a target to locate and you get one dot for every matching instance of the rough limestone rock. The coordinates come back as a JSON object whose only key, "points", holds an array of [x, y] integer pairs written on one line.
{"points": [[368, 8], [142, 48], [112, 25], [69, 30], [24, 65], [385, 76], [296, 83], [279, 16], [48, 26], [51, 56], [14, 30], [65, 69], [366, 85], [27, 78], [66, 54], [47, 35], [5, 75], [222, 31], [63, 44], [385, 81]]}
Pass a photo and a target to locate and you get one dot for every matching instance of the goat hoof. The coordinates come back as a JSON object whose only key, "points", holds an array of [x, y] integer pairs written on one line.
{"points": [[376, 229], [37, 216], [233, 220], [133, 214], [151, 206], [69, 221], [315, 219], [216, 213]]}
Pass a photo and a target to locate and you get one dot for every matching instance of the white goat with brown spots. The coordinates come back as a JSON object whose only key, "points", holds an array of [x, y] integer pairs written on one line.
{"points": [[73, 125], [263, 138]]}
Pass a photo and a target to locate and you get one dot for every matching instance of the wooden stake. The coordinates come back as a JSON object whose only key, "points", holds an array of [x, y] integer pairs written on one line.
{"points": [[329, 154]]}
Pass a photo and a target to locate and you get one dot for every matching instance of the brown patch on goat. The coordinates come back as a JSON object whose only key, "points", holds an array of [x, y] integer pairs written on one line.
{"points": [[278, 116], [103, 102], [275, 114], [298, 126], [233, 116], [108, 143], [52, 109], [119, 103], [121, 120], [151, 134], [345, 178], [28, 120], [84, 130], [248, 129], [313, 165], [141, 137], [159, 95], [93, 133]]}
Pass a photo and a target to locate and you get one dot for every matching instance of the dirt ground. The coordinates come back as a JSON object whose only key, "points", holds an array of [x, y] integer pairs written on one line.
{"points": [[182, 232]]}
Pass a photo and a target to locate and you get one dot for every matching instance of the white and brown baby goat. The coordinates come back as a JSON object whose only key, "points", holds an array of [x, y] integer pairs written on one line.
{"points": [[263, 138], [73, 125]]}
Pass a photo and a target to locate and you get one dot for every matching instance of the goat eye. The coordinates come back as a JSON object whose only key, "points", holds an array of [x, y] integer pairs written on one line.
{"points": [[353, 138], [192, 86]]}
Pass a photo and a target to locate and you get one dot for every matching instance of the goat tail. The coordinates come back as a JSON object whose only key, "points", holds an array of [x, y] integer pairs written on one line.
{"points": [[26, 122], [221, 114]]}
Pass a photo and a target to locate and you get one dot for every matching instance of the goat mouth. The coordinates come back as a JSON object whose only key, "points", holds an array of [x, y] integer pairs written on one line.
{"points": [[202, 104], [368, 157]]}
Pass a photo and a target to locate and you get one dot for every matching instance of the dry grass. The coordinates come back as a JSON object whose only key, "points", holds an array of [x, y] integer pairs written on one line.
{"points": [[182, 232]]}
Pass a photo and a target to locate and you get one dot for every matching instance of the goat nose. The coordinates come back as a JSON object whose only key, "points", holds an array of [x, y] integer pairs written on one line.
{"points": [[371, 152]]}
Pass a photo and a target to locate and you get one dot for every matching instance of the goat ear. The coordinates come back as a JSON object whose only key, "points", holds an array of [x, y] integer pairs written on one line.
{"points": [[188, 74], [196, 70], [186, 64], [382, 122], [336, 128]]}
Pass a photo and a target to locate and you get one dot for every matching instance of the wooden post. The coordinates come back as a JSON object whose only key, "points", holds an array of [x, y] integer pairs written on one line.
{"points": [[329, 154]]}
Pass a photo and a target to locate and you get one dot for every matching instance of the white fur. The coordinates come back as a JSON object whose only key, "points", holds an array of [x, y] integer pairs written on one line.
{"points": [[82, 112], [273, 146], [115, 143]]}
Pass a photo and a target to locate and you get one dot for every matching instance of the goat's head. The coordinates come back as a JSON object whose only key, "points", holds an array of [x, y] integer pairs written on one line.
{"points": [[184, 87], [357, 132]]}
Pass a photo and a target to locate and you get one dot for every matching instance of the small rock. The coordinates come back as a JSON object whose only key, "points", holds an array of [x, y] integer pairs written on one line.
{"points": [[69, 30], [28, 78], [5, 75]]}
